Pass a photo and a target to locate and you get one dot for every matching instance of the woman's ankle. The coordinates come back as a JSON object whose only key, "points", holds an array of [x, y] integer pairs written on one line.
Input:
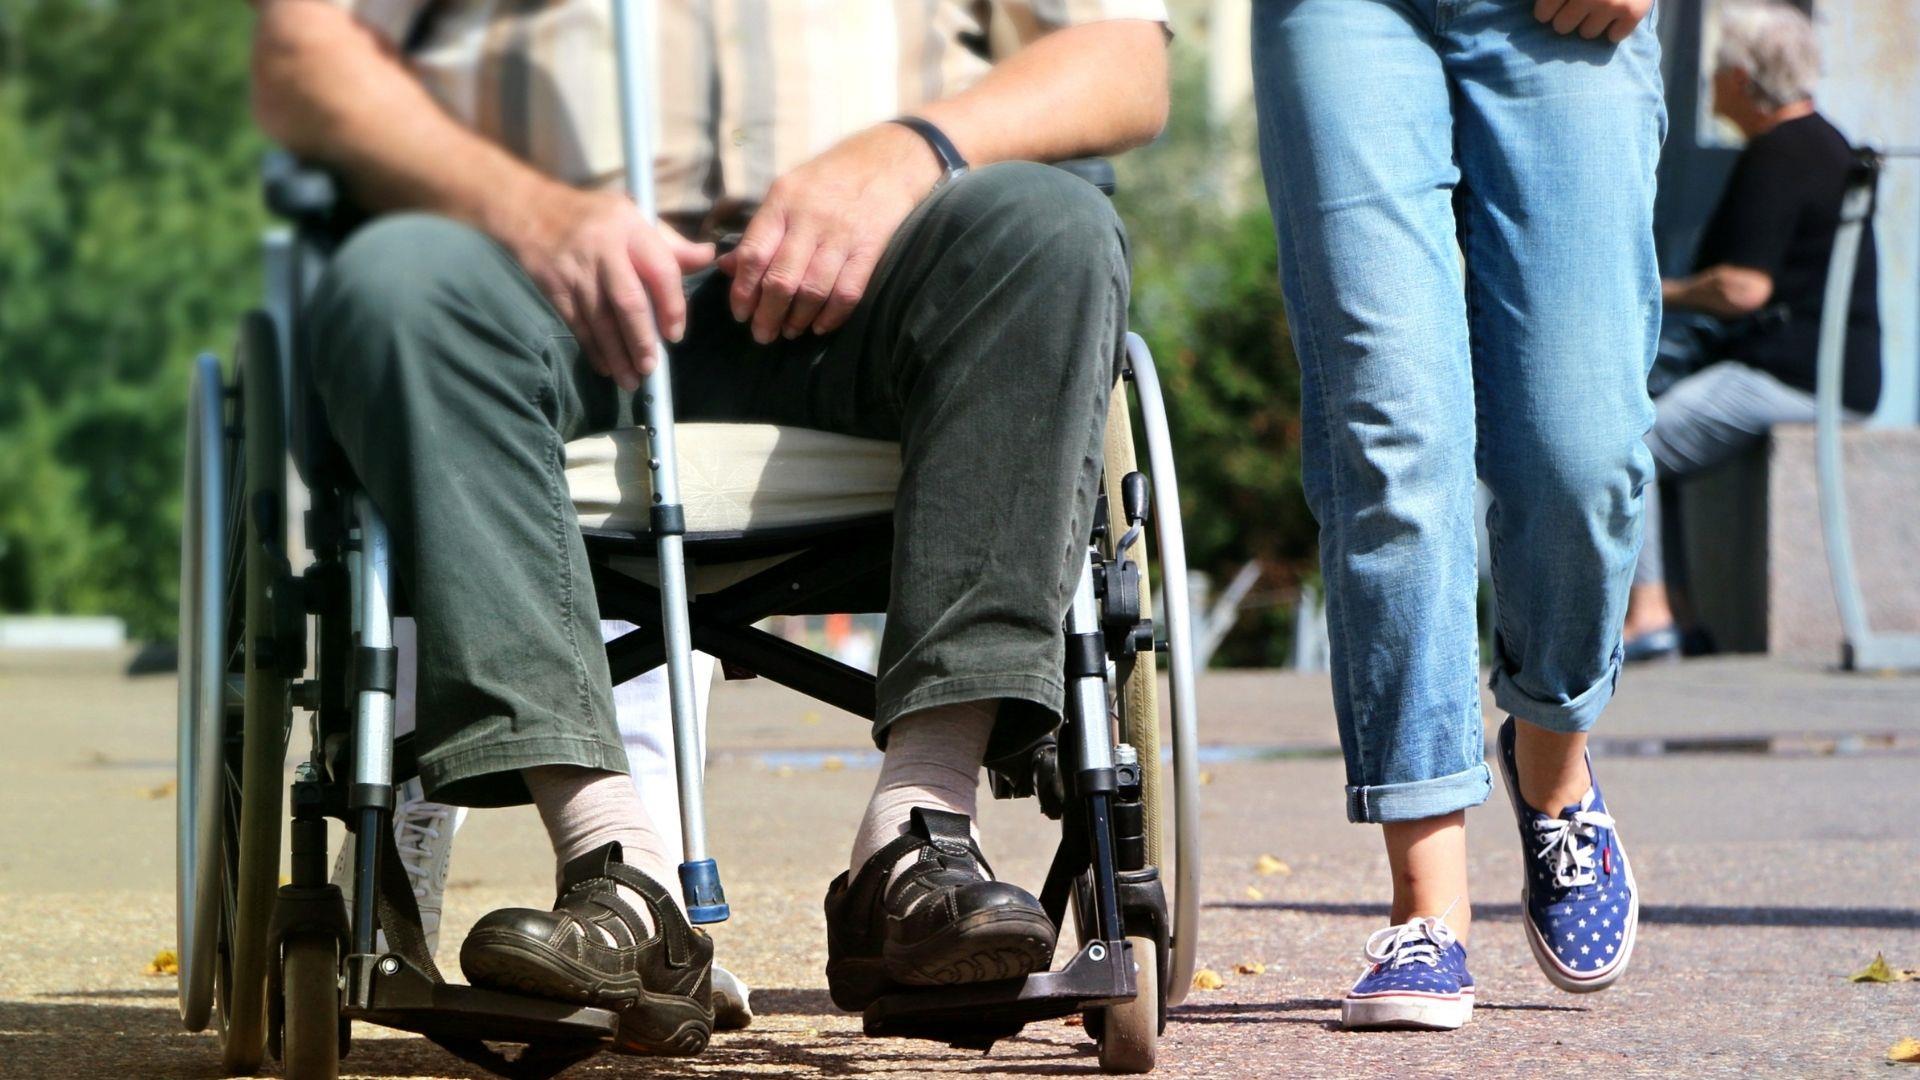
{"points": [[1551, 767], [1428, 861]]}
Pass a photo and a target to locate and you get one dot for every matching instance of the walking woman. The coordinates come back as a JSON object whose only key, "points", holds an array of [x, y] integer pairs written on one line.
{"points": [[1463, 191]]}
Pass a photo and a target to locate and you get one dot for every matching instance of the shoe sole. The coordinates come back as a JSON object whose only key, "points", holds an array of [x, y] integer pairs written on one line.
{"points": [[1406, 1012], [987, 947], [990, 947], [1574, 982], [666, 1025]]}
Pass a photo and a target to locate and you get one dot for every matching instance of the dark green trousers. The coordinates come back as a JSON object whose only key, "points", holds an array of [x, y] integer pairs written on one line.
{"points": [[986, 346]]}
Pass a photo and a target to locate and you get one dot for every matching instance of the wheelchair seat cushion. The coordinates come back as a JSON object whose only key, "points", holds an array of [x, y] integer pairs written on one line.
{"points": [[736, 479]]}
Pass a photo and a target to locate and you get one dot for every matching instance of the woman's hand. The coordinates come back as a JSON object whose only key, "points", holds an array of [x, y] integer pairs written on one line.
{"points": [[1592, 18]]}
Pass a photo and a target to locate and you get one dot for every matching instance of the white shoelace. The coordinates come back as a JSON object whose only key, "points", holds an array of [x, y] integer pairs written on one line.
{"points": [[1569, 843], [416, 827], [1420, 941]]}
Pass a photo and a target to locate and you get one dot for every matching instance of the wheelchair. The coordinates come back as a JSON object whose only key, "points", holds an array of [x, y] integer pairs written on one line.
{"points": [[285, 968]]}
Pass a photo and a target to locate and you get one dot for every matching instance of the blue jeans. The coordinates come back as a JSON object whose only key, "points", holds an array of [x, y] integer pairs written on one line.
{"points": [[1390, 130]]}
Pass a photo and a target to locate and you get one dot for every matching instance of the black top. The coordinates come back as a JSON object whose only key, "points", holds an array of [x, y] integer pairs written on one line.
{"points": [[1779, 214]]}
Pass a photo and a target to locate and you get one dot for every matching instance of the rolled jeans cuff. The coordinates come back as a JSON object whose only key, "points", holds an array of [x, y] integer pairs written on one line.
{"points": [[1418, 799], [1574, 715]]}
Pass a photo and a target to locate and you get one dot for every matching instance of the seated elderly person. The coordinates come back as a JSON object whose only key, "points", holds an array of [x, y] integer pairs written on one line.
{"points": [[507, 303], [1761, 280]]}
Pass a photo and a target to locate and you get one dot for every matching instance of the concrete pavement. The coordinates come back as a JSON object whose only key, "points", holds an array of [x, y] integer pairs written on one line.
{"points": [[1770, 810]]}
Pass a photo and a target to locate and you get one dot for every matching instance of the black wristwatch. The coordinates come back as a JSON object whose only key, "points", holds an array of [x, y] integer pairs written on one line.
{"points": [[943, 148]]}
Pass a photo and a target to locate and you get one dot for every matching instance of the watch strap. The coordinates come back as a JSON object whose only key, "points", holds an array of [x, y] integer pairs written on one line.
{"points": [[955, 166]]}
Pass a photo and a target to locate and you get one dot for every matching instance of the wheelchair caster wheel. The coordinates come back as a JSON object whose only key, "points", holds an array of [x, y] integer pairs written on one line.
{"points": [[1129, 1034], [310, 980]]}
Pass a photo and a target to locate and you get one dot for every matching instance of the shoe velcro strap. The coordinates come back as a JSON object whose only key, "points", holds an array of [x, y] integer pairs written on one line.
{"points": [[585, 879], [949, 833]]}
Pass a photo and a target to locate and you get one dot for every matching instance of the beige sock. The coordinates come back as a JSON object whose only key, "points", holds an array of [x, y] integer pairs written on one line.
{"points": [[933, 759], [584, 808]]}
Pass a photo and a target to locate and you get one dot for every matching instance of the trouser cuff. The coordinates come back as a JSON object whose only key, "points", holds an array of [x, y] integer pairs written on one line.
{"points": [[1568, 716], [489, 775], [1419, 799]]}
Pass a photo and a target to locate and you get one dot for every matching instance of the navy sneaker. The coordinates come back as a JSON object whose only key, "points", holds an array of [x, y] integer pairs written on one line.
{"points": [[1581, 903], [1416, 978]]}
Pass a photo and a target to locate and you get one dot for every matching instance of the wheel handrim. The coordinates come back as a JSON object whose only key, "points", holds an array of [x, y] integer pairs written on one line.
{"points": [[1176, 611], [202, 699]]}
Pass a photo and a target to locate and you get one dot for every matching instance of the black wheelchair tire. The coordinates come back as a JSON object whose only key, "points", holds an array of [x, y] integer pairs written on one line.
{"points": [[310, 997], [254, 799]]}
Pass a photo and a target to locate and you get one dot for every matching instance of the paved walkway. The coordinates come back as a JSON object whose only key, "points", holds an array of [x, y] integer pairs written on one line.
{"points": [[1777, 856]]}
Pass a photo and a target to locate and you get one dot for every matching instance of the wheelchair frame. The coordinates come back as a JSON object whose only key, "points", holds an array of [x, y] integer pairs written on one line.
{"points": [[288, 971]]}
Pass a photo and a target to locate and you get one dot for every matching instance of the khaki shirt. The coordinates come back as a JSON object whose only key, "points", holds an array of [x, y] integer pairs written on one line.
{"points": [[748, 89]]}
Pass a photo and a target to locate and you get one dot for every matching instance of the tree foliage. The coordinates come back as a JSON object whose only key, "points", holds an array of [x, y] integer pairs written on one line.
{"points": [[1207, 299], [129, 225], [129, 239]]}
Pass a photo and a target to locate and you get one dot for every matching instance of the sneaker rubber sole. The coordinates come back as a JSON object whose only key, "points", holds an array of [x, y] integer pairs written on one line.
{"points": [[1416, 1012]]}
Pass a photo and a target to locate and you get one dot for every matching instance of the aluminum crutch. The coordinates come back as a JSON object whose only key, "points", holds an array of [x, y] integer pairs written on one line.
{"points": [[634, 37]]}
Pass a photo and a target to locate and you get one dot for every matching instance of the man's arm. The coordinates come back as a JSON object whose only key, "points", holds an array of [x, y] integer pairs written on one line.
{"points": [[1725, 290], [1096, 88], [331, 90]]}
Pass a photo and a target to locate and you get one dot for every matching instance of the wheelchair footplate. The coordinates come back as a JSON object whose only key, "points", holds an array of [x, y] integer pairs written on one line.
{"points": [[389, 990], [977, 1015]]}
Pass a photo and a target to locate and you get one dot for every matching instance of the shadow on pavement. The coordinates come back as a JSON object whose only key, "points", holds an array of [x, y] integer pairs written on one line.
{"points": [[86, 1036], [1272, 1012], [1667, 914]]}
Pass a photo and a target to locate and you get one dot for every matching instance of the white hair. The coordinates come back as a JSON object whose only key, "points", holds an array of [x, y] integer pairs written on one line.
{"points": [[1773, 43]]}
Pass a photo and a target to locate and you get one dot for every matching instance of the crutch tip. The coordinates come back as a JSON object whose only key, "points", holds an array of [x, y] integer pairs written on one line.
{"points": [[700, 885]]}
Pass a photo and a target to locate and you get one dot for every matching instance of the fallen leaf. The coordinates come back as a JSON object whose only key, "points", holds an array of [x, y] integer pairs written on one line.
{"points": [[164, 962], [1255, 894], [784, 770], [1074, 1020], [1208, 979], [810, 717], [1267, 866], [1205, 777], [1250, 967], [1880, 972], [161, 791], [1906, 1050], [832, 764]]}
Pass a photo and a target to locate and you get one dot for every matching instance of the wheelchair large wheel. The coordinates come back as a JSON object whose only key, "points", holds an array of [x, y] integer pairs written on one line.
{"points": [[203, 693], [234, 699], [1176, 617], [1128, 1034]]}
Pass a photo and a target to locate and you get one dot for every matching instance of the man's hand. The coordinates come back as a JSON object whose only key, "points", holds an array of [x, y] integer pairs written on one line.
{"points": [[610, 274], [813, 245], [1592, 18]]}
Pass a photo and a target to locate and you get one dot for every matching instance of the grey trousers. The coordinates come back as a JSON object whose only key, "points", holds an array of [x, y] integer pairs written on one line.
{"points": [[986, 345], [1707, 418]]}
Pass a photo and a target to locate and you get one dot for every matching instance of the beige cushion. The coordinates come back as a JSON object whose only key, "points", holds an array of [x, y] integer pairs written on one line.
{"points": [[736, 478]]}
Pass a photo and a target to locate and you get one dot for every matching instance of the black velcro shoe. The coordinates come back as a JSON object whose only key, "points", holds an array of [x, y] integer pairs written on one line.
{"points": [[661, 985], [941, 921]]}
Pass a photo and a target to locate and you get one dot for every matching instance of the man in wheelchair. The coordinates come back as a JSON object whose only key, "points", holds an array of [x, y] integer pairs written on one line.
{"points": [[506, 302]]}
